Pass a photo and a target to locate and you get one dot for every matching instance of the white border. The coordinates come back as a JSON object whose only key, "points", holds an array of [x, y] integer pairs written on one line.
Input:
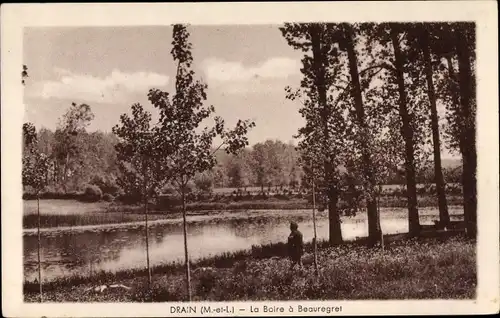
{"points": [[16, 16]]}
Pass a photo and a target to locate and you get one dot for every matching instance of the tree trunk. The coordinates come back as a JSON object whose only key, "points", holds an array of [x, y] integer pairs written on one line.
{"points": [[147, 241], [468, 160], [461, 141], [315, 240], [56, 171], [407, 132], [444, 216], [374, 230], [65, 172], [319, 59], [334, 227], [145, 191], [469, 154], [39, 248], [186, 255]]}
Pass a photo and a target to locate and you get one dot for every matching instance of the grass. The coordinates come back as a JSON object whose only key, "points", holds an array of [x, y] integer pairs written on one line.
{"points": [[64, 207], [57, 213], [425, 268]]}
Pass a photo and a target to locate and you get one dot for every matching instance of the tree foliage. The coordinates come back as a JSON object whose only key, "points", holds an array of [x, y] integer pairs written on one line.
{"points": [[35, 163], [324, 141], [184, 145]]}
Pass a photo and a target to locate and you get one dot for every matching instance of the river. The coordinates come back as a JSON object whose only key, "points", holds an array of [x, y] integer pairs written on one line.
{"points": [[85, 250]]}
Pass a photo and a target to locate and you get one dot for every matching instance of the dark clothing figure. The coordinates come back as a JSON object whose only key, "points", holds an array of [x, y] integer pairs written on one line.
{"points": [[295, 246]]}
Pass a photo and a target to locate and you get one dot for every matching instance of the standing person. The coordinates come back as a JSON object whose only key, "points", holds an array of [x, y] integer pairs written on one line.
{"points": [[295, 245]]}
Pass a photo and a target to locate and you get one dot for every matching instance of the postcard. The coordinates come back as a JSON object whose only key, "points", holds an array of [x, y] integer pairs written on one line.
{"points": [[250, 159]]}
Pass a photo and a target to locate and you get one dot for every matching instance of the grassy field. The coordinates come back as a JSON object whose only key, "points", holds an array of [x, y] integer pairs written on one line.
{"points": [[425, 268], [57, 213]]}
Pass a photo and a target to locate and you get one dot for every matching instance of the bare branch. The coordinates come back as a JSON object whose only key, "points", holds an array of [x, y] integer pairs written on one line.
{"points": [[401, 37], [217, 149], [384, 65]]}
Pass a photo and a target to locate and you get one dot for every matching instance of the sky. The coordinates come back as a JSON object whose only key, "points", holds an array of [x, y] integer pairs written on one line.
{"points": [[246, 68]]}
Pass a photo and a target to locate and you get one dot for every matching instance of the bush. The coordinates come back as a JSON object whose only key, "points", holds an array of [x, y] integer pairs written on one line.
{"points": [[131, 198], [431, 189], [108, 197], [92, 193], [455, 189], [168, 201], [204, 184], [106, 184], [422, 191], [281, 196], [53, 196]]}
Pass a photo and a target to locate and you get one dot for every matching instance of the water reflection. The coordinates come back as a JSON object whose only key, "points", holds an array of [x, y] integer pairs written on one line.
{"points": [[124, 248]]}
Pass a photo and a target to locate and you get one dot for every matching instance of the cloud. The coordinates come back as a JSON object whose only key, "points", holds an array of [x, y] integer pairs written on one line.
{"points": [[115, 87], [225, 71], [239, 78]]}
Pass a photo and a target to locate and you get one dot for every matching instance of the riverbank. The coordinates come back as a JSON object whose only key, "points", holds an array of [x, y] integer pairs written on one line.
{"points": [[72, 213], [424, 268], [112, 220]]}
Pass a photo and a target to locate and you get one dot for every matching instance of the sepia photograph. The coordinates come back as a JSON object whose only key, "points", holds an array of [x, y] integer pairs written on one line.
{"points": [[286, 161]]}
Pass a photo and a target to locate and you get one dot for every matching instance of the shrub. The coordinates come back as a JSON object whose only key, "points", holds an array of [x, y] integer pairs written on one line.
{"points": [[421, 191], [131, 198], [168, 201], [204, 184], [53, 196], [106, 184], [108, 197], [431, 189], [281, 196], [51, 192], [454, 189], [92, 193]]}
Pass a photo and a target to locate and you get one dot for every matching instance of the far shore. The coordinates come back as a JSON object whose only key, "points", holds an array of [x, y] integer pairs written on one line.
{"points": [[71, 215]]}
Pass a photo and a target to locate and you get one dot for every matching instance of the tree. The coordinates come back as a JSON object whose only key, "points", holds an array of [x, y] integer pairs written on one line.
{"points": [[464, 36], [220, 175], [71, 125], [454, 43], [407, 131], [279, 163], [45, 145], [261, 166], [185, 148], [324, 137], [425, 42], [422, 42], [402, 104], [292, 167], [369, 182], [139, 161], [30, 137], [35, 165], [204, 182], [235, 173], [462, 117]]}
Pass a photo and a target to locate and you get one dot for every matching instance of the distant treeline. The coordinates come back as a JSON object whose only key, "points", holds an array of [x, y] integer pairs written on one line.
{"points": [[88, 164]]}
